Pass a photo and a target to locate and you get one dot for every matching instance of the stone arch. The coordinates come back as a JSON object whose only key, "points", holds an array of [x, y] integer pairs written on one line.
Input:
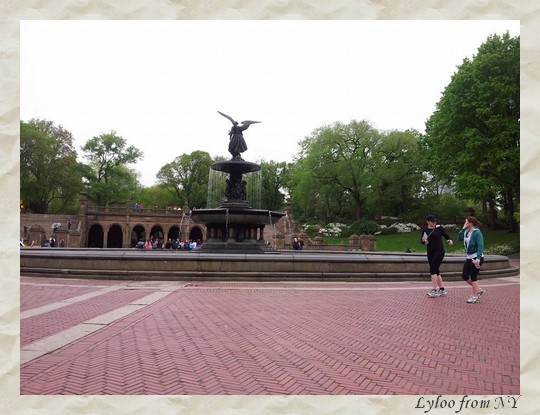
{"points": [[138, 232], [196, 234], [95, 236], [115, 236], [174, 232], [157, 231]]}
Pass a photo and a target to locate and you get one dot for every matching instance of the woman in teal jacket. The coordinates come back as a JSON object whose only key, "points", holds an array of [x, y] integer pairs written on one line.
{"points": [[473, 241]]}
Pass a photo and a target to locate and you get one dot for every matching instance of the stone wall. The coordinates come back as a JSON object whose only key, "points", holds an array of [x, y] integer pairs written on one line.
{"points": [[279, 235], [34, 229]]}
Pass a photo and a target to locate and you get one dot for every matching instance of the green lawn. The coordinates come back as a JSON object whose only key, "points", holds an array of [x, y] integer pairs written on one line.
{"points": [[399, 242]]}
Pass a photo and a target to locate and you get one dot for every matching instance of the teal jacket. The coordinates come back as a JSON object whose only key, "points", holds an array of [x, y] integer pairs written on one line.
{"points": [[476, 243]]}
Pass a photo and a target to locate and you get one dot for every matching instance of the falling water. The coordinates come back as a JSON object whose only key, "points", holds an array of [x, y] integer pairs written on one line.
{"points": [[227, 223], [181, 223], [217, 183], [216, 188], [289, 225], [188, 224], [253, 190], [273, 225]]}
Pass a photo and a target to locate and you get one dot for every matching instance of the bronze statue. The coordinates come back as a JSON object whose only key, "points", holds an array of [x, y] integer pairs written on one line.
{"points": [[237, 144]]}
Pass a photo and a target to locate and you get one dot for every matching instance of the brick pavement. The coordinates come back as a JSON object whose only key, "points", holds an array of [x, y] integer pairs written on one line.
{"points": [[255, 338]]}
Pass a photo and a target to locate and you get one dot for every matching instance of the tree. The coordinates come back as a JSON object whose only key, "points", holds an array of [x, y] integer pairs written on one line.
{"points": [[156, 195], [337, 162], [472, 138], [50, 174], [397, 179], [186, 177], [275, 183], [108, 178]]}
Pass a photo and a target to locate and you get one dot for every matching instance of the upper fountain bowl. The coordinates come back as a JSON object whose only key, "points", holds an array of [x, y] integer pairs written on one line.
{"points": [[236, 166]]}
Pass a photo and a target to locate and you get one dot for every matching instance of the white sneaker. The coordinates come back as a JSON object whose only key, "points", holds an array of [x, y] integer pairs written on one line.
{"points": [[481, 291], [473, 300], [433, 293]]}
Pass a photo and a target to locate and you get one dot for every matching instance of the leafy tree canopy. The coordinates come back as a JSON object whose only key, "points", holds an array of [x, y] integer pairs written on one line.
{"points": [[50, 174], [108, 178], [186, 177], [472, 139]]}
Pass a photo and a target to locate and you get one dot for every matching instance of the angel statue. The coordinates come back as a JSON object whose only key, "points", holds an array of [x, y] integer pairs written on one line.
{"points": [[237, 144]]}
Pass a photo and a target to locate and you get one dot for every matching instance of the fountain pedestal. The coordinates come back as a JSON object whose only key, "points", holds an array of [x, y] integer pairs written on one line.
{"points": [[235, 227]]}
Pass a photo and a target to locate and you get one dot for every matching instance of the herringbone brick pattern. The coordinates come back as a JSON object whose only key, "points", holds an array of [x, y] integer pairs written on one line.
{"points": [[46, 324], [49, 294], [38, 292], [240, 338]]}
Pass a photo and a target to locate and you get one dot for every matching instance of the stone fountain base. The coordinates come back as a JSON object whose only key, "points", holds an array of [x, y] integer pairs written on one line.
{"points": [[235, 229], [140, 264]]}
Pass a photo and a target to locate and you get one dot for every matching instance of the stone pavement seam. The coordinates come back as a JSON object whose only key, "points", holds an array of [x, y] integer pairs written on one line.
{"points": [[425, 286], [58, 340], [59, 304]]}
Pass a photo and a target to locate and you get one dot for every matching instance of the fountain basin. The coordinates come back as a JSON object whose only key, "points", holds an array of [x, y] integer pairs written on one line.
{"points": [[236, 166], [235, 230], [136, 264]]}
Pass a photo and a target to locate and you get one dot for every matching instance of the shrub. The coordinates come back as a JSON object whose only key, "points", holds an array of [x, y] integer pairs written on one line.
{"points": [[388, 231], [405, 227], [310, 229], [332, 229], [500, 250], [362, 227]]}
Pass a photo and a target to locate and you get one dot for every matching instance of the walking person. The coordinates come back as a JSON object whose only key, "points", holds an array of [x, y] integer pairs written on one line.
{"points": [[473, 240], [432, 236]]}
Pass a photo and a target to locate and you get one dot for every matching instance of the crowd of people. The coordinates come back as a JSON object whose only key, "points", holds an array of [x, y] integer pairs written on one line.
{"points": [[169, 207], [172, 244]]}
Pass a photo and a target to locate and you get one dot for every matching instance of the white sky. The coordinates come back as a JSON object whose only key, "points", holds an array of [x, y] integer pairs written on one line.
{"points": [[159, 84]]}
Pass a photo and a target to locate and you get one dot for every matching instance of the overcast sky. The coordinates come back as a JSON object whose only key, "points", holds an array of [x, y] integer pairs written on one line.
{"points": [[159, 84]]}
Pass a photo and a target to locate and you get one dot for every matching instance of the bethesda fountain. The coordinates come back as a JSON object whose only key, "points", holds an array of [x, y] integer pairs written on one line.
{"points": [[235, 226]]}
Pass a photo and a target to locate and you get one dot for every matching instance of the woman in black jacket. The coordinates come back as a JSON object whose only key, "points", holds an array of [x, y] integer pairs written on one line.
{"points": [[432, 236]]}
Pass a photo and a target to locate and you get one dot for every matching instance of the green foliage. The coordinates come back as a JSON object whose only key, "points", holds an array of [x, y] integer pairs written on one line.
{"points": [[388, 231], [50, 174], [186, 178], [362, 227], [446, 206], [398, 177], [472, 139], [336, 165], [517, 214], [274, 184], [156, 195], [349, 171], [500, 250], [108, 179]]}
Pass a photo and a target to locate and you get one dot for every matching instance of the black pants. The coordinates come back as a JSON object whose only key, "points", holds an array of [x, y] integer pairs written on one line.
{"points": [[470, 271], [435, 260]]}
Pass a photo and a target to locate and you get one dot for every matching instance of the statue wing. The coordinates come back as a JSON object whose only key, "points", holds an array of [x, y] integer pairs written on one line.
{"points": [[227, 116], [249, 122]]}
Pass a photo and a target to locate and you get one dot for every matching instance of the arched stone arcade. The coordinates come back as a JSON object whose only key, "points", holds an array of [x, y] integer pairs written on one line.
{"points": [[95, 236], [113, 227], [118, 235], [115, 236]]}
